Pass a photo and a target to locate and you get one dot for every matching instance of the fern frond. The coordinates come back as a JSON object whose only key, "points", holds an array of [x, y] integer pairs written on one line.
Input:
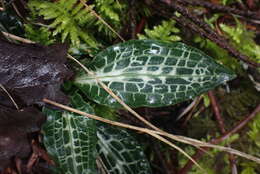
{"points": [[38, 34], [111, 11], [70, 19], [166, 31], [243, 39]]}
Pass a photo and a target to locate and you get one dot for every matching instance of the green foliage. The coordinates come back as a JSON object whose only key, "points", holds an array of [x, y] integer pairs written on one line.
{"points": [[238, 102], [109, 8], [215, 161], [206, 100], [219, 54], [120, 152], [254, 132], [243, 40], [151, 73], [253, 146], [106, 112], [69, 19], [240, 38], [142, 73], [166, 32], [111, 11], [71, 139], [249, 168], [225, 2], [38, 34]]}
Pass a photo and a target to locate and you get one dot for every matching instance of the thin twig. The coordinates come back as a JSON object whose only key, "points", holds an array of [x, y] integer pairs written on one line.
{"points": [[221, 125], [211, 34], [18, 165], [221, 8], [9, 95], [105, 87], [191, 21], [101, 19], [239, 125], [161, 132], [17, 38], [33, 158], [190, 109], [190, 141], [167, 169], [236, 129], [216, 109], [182, 139], [144, 130]]}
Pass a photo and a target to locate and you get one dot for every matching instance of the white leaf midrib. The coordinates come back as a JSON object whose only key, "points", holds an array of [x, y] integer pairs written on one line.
{"points": [[73, 153]]}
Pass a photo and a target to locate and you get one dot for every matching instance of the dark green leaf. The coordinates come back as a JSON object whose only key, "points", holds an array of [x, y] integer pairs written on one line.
{"points": [[152, 73], [119, 152], [71, 139]]}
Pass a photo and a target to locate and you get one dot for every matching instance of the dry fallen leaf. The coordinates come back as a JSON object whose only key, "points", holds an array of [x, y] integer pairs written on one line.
{"points": [[14, 127], [32, 72]]}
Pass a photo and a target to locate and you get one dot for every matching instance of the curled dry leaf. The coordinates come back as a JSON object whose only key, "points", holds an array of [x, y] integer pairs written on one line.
{"points": [[14, 127], [33, 72]]}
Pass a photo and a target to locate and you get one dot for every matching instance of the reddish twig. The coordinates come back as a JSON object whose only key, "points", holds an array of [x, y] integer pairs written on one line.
{"points": [[167, 169], [221, 125], [251, 4], [221, 8], [37, 153], [234, 130], [18, 164], [33, 158], [238, 126], [140, 26], [190, 20], [215, 107]]}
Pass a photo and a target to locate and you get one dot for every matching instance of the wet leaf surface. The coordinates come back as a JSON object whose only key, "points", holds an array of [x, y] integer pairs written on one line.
{"points": [[33, 72], [152, 73]]}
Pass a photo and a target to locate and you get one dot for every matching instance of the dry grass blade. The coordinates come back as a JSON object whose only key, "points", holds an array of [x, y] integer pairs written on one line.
{"points": [[177, 148], [17, 38], [144, 130], [115, 96], [182, 139], [127, 107], [9, 95], [198, 143], [186, 140]]}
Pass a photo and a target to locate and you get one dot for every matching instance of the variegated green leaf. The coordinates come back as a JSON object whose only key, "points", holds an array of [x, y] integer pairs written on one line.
{"points": [[119, 152], [152, 73], [71, 139]]}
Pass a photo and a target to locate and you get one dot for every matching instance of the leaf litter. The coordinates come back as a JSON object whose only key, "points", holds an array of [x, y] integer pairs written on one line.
{"points": [[29, 72], [32, 72]]}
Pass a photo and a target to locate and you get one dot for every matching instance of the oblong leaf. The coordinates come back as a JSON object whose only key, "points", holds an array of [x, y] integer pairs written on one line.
{"points": [[119, 152], [152, 73], [71, 139]]}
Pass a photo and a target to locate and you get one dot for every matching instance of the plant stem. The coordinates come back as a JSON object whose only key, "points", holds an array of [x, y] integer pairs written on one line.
{"points": [[221, 8]]}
